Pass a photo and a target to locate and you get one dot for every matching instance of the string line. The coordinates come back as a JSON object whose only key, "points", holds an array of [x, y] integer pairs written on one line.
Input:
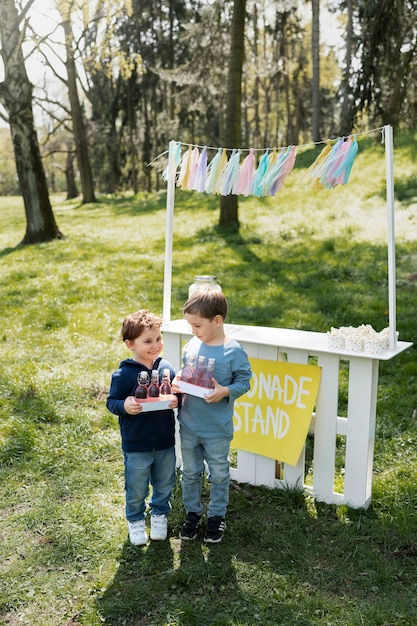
{"points": [[305, 145]]}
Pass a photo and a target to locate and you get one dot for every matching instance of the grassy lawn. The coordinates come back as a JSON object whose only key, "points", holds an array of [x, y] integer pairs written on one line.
{"points": [[303, 259]]}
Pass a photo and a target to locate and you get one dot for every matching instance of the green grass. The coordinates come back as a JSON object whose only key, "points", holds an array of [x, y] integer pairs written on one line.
{"points": [[303, 259]]}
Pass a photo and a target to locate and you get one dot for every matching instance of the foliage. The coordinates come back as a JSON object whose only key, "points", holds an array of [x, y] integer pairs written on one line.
{"points": [[309, 260], [387, 43]]}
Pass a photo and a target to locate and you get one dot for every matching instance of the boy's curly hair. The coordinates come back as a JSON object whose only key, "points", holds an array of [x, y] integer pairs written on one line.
{"points": [[135, 323]]}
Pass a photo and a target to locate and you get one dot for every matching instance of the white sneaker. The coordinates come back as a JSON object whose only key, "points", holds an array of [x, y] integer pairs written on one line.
{"points": [[137, 533], [159, 527]]}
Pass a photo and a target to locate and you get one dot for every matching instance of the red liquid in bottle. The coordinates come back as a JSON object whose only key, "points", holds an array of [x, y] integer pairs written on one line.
{"points": [[206, 379], [153, 389], [188, 369], [165, 388], [199, 371], [141, 392], [142, 389]]}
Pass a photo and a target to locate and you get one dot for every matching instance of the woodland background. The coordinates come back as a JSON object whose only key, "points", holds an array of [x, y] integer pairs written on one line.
{"points": [[115, 80]]}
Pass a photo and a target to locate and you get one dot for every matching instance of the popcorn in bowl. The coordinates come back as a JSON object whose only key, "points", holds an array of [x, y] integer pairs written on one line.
{"points": [[360, 339]]}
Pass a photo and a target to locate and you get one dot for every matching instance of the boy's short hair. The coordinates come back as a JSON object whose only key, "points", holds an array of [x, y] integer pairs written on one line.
{"points": [[135, 323], [206, 302]]}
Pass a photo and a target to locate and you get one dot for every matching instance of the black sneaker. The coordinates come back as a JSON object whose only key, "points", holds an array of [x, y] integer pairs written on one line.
{"points": [[190, 527], [215, 529]]}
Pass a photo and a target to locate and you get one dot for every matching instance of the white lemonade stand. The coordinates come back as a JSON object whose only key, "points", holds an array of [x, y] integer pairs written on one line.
{"points": [[304, 347]]}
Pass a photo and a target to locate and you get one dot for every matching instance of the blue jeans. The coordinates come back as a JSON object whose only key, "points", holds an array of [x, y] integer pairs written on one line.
{"points": [[155, 468], [215, 452]]}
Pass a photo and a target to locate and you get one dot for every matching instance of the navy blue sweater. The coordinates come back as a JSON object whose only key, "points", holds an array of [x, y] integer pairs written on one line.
{"points": [[153, 430]]}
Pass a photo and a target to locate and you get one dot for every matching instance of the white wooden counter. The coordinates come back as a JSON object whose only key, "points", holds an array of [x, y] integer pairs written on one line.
{"points": [[358, 426]]}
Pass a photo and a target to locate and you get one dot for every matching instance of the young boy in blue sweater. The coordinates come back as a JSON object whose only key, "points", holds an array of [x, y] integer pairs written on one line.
{"points": [[148, 437], [206, 424]]}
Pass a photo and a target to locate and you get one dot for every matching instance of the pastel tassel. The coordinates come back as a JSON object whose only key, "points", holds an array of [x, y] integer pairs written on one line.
{"points": [[218, 182], [175, 153], [231, 171], [243, 182], [259, 174], [199, 180], [272, 159], [188, 180], [315, 169], [336, 163], [213, 170], [184, 166], [274, 164], [332, 161], [286, 167], [341, 174]]}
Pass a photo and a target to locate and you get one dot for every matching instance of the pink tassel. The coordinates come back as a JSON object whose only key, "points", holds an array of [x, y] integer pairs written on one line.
{"points": [[329, 164], [243, 183], [343, 172], [287, 166], [342, 163]]}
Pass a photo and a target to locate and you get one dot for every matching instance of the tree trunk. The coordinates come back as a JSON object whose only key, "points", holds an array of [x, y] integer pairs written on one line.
{"points": [[16, 97], [232, 133], [315, 50], [346, 114], [72, 191], [80, 134]]}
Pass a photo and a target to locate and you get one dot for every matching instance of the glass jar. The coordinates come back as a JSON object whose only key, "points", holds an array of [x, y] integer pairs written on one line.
{"points": [[200, 281]]}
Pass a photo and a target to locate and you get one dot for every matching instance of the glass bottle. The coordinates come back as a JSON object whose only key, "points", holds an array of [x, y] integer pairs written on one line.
{"points": [[206, 379], [200, 281], [142, 389], [165, 388], [188, 368], [153, 389], [199, 371]]}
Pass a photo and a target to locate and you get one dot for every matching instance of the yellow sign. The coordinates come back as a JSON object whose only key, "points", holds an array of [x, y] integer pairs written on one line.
{"points": [[273, 417]]}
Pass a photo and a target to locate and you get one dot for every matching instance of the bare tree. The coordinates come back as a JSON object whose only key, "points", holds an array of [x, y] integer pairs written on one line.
{"points": [[16, 98], [315, 50], [346, 114], [232, 133], [79, 130]]}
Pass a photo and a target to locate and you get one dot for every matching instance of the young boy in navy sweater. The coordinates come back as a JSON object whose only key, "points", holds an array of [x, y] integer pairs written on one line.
{"points": [[147, 437]]}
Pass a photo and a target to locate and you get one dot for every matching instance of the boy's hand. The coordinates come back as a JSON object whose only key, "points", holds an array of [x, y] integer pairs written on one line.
{"points": [[218, 394], [174, 385], [174, 403], [132, 406]]}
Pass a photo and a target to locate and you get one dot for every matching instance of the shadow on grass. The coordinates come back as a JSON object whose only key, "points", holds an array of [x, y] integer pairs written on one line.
{"points": [[279, 563], [306, 280], [149, 203]]}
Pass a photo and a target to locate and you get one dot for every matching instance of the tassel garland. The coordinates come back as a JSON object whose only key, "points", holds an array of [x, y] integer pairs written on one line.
{"points": [[225, 176]]}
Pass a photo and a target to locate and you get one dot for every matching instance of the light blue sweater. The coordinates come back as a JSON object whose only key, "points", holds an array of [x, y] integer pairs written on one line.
{"points": [[231, 369]]}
